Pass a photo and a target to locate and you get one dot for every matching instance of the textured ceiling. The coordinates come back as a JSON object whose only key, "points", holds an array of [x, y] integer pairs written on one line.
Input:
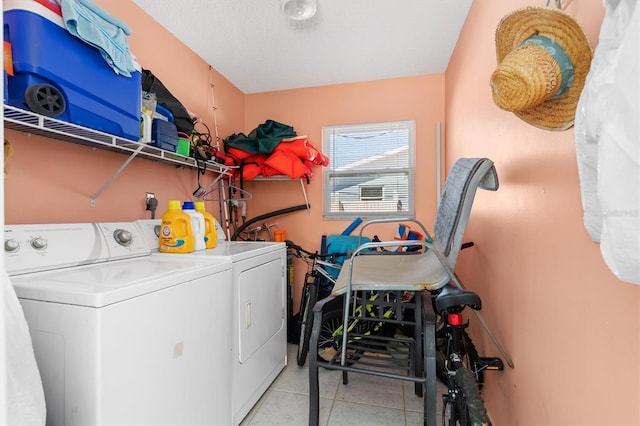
{"points": [[258, 49]]}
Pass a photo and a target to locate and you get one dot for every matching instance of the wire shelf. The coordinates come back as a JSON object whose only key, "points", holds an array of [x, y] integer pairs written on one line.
{"points": [[31, 123]]}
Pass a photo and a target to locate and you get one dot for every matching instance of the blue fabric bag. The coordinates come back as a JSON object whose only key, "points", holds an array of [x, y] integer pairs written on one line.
{"points": [[343, 245]]}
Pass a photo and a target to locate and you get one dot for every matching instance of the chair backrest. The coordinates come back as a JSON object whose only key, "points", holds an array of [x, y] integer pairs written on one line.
{"points": [[467, 174]]}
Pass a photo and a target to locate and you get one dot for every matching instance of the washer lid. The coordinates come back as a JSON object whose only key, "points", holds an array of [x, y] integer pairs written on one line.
{"points": [[234, 250], [102, 284], [241, 250]]}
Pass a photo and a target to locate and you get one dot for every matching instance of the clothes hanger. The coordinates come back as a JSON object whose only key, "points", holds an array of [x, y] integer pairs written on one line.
{"points": [[560, 4], [245, 195]]}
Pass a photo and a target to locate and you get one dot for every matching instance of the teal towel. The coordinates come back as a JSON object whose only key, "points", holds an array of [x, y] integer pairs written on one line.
{"points": [[94, 26]]}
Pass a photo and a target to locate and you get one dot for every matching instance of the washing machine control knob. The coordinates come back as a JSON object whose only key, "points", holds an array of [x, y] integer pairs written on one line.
{"points": [[38, 243], [11, 246], [122, 237]]}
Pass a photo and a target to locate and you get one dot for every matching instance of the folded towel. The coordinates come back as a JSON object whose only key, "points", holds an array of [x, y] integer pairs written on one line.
{"points": [[106, 15], [96, 27]]}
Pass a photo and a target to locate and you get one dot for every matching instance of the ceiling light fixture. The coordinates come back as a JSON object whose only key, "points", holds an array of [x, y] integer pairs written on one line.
{"points": [[299, 10]]}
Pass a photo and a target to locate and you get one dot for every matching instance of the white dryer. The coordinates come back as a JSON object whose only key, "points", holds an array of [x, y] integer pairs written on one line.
{"points": [[258, 300], [121, 337]]}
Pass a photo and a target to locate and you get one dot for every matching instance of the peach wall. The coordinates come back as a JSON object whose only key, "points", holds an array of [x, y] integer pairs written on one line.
{"points": [[570, 326], [307, 110], [51, 181]]}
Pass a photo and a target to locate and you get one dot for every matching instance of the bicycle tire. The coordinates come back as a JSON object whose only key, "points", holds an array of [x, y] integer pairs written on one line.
{"points": [[328, 344], [468, 353], [302, 319], [468, 408], [306, 323]]}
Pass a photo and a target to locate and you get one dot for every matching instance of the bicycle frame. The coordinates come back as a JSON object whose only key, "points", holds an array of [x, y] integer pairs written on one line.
{"points": [[462, 369], [457, 399], [317, 268], [454, 327], [320, 267], [337, 334]]}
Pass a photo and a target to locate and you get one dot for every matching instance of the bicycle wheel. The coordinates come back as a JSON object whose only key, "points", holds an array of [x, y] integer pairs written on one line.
{"points": [[327, 344], [464, 406], [310, 297], [467, 351], [330, 339]]}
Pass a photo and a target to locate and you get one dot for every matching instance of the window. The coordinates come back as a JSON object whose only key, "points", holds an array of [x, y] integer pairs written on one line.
{"points": [[371, 169], [371, 192]]}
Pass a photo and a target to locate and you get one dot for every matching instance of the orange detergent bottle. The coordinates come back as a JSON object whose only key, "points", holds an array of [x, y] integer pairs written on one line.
{"points": [[176, 232], [210, 234]]}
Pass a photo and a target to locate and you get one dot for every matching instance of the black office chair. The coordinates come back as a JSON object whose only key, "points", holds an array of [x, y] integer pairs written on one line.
{"points": [[375, 286]]}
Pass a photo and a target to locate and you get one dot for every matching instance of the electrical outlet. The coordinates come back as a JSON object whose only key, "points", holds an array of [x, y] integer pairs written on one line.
{"points": [[151, 202]]}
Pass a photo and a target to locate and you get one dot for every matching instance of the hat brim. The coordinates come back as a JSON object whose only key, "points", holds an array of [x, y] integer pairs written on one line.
{"points": [[513, 29]]}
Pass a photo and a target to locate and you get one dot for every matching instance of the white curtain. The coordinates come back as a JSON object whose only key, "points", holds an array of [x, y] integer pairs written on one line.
{"points": [[607, 129], [24, 399]]}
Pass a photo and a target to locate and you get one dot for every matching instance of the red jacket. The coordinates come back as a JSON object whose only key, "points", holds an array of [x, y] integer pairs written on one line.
{"points": [[293, 157]]}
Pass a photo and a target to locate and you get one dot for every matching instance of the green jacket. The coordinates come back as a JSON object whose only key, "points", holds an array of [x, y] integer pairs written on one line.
{"points": [[263, 139]]}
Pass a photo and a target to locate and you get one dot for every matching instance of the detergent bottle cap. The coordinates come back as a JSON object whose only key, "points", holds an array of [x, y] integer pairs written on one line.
{"points": [[174, 204], [188, 205], [199, 206]]}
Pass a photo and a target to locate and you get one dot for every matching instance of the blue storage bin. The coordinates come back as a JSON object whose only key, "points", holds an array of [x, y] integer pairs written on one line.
{"points": [[164, 112], [48, 60], [164, 134]]}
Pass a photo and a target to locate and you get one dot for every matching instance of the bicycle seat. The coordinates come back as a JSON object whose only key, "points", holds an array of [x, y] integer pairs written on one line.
{"points": [[451, 296]]}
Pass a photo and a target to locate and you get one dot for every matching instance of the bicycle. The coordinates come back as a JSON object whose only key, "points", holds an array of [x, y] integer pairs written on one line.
{"points": [[318, 282], [458, 364], [363, 324], [429, 272]]}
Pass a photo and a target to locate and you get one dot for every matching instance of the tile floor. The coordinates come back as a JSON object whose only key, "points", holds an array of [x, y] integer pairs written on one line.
{"points": [[366, 400]]}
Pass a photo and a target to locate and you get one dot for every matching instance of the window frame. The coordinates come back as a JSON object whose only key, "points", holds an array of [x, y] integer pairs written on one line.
{"points": [[329, 173]]}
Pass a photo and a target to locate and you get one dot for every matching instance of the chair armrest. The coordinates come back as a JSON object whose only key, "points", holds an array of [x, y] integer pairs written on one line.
{"points": [[319, 306], [396, 220], [317, 324]]}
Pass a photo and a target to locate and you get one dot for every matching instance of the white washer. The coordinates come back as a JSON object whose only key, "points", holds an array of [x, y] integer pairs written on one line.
{"points": [[259, 351], [121, 337]]}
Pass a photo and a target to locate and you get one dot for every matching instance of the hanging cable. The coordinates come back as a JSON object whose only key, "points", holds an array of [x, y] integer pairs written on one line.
{"points": [[214, 108], [224, 204]]}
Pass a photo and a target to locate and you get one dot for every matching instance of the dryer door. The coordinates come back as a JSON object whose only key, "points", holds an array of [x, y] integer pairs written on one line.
{"points": [[260, 304]]}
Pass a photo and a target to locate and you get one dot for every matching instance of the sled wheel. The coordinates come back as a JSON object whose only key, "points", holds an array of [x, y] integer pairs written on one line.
{"points": [[45, 99]]}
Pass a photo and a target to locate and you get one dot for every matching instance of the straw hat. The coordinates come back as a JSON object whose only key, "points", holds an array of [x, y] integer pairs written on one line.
{"points": [[543, 60]]}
